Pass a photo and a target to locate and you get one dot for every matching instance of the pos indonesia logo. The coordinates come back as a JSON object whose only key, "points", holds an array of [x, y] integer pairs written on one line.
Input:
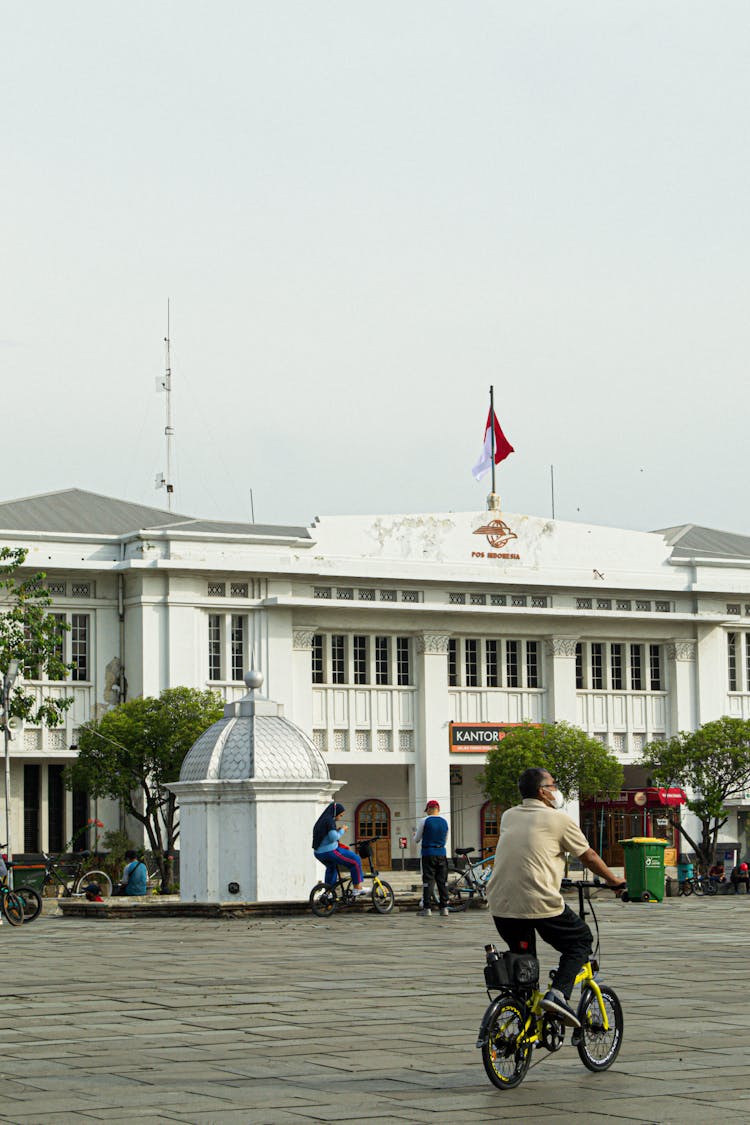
{"points": [[498, 533]]}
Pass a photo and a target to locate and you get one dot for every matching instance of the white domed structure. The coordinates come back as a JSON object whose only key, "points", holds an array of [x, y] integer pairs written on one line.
{"points": [[250, 790]]}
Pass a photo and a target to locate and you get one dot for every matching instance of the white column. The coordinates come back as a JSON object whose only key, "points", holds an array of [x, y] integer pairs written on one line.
{"points": [[432, 773], [560, 678], [302, 696], [683, 695], [711, 673]]}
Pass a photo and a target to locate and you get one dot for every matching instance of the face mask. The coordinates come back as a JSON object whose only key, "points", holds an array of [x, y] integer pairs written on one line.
{"points": [[557, 799]]}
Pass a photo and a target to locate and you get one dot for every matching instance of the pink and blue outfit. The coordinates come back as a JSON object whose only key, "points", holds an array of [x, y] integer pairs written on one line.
{"points": [[329, 851]]}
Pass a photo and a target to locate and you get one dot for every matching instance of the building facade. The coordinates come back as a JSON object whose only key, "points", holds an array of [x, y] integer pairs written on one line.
{"points": [[397, 642]]}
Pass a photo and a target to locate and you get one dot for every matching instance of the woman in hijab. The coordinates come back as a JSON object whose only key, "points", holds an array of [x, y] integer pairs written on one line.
{"points": [[329, 852]]}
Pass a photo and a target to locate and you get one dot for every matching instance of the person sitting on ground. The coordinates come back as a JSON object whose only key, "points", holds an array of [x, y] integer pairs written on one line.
{"points": [[331, 853], [524, 889], [135, 876], [716, 873], [740, 874], [93, 893]]}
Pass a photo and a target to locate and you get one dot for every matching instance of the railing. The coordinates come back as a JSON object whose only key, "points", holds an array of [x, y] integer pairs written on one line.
{"points": [[623, 712], [497, 705], [367, 719]]}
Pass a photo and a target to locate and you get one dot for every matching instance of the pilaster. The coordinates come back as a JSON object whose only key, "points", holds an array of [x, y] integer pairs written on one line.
{"points": [[683, 694], [560, 678], [431, 771]]}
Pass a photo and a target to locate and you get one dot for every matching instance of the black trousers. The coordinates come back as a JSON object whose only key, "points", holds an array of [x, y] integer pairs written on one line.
{"points": [[566, 933], [434, 872]]}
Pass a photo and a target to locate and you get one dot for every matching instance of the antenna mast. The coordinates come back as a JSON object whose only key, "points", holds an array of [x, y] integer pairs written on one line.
{"points": [[165, 385]]}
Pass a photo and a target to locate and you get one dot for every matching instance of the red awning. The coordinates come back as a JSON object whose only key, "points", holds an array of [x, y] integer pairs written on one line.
{"points": [[672, 796]]}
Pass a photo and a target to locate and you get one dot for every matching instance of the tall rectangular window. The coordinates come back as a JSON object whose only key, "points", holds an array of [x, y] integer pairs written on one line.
{"points": [[359, 657], [579, 666], [382, 660], [79, 645], [491, 677], [732, 660], [747, 661], [55, 808], [214, 646], [471, 663], [31, 800], [636, 667], [452, 662], [511, 664], [338, 659], [59, 641], [318, 676], [615, 667], [532, 664], [597, 666], [403, 662], [654, 665], [238, 646]]}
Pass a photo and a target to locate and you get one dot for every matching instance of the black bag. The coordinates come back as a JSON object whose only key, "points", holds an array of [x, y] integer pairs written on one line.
{"points": [[119, 889], [512, 970]]}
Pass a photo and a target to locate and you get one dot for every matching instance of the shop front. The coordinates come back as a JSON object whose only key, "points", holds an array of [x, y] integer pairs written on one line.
{"points": [[607, 821]]}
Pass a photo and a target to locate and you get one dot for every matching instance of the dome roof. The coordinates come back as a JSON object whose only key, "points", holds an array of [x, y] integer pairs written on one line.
{"points": [[253, 741]]}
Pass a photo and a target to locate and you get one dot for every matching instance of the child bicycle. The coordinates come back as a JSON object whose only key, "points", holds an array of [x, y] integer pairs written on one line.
{"points": [[467, 881], [515, 1022], [324, 899]]}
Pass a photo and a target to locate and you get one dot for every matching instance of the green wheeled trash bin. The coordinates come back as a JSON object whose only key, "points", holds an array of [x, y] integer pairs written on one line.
{"points": [[644, 868]]}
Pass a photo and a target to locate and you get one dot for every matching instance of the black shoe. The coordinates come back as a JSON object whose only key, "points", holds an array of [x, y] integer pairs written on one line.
{"points": [[557, 1005]]}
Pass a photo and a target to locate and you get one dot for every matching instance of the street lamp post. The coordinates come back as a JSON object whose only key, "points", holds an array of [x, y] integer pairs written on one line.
{"points": [[8, 680]]}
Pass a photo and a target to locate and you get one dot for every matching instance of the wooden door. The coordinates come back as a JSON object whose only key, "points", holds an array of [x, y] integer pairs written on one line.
{"points": [[489, 824], [373, 821]]}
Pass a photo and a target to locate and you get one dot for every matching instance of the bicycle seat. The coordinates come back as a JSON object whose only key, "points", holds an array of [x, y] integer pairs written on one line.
{"points": [[464, 851]]}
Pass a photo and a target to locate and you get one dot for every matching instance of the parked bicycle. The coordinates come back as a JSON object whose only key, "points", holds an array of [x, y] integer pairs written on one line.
{"points": [[324, 899], [699, 885], [71, 874], [467, 881], [24, 897], [515, 1023]]}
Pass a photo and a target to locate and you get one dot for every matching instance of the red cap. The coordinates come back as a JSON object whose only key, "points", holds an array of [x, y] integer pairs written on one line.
{"points": [[432, 805], [743, 867]]}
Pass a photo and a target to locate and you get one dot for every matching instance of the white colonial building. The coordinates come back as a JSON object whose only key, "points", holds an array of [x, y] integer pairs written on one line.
{"points": [[399, 643]]}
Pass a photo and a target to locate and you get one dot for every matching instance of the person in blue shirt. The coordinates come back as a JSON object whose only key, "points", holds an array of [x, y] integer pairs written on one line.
{"points": [[432, 832], [331, 853], [135, 875]]}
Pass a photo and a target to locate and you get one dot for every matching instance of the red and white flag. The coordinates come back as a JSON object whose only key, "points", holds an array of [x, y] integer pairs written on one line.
{"points": [[502, 448]]}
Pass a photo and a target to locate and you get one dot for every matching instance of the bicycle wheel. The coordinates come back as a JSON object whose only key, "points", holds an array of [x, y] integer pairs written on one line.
{"points": [[13, 908], [712, 888], [699, 887], [100, 877], [599, 1048], [322, 900], [458, 894], [506, 1056], [382, 897], [32, 902], [686, 887]]}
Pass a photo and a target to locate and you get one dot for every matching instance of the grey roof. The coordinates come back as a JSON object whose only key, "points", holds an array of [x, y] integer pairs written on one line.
{"points": [[691, 541], [262, 746], [74, 510]]}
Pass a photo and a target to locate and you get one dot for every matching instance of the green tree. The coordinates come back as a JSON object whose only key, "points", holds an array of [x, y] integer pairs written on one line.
{"points": [[713, 764], [580, 764], [30, 634], [134, 751]]}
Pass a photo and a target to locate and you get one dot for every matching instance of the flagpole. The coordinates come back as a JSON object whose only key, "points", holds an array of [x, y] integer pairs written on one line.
{"points": [[492, 431]]}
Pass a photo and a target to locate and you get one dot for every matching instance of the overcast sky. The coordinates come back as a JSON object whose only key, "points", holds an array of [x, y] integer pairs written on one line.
{"points": [[363, 215]]}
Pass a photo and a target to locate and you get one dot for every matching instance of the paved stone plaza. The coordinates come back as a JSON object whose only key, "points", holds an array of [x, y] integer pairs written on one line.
{"points": [[358, 1018]]}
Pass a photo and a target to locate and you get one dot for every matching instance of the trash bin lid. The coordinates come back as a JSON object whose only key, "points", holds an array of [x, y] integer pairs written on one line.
{"points": [[645, 840]]}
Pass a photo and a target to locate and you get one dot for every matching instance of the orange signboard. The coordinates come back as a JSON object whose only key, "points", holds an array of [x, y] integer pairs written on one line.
{"points": [[473, 738]]}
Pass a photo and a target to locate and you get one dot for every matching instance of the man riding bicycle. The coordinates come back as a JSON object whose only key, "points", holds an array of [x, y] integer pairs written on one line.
{"points": [[524, 890]]}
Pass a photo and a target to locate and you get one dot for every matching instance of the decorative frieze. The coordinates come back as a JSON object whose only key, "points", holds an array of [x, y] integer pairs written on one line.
{"points": [[682, 650]]}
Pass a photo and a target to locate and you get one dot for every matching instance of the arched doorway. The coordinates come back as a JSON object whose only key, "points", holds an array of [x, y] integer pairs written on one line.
{"points": [[372, 820], [489, 824]]}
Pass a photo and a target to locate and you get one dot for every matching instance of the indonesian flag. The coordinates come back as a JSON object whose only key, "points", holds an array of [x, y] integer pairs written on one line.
{"points": [[502, 448]]}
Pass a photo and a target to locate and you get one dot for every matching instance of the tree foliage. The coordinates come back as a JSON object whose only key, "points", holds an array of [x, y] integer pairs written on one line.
{"points": [[30, 634], [580, 764], [134, 751], [713, 764]]}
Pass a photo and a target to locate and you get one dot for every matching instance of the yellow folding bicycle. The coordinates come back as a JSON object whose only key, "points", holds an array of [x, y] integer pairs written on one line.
{"points": [[515, 1024]]}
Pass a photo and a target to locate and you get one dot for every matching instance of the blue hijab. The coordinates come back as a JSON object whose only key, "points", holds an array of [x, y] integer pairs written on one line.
{"points": [[325, 823]]}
